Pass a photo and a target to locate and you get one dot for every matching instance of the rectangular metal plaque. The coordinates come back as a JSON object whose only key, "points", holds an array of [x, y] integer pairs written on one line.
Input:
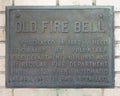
{"points": [[60, 47]]}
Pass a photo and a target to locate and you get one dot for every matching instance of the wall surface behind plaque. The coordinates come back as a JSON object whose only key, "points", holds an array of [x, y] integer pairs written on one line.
{"points": [[60, 92]]}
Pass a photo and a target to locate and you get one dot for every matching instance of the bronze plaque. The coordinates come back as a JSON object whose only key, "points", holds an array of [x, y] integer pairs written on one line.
{"points": [[60, 47]]}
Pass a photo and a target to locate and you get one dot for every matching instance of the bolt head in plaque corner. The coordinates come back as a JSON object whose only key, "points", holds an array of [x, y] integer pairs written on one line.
{"points": [[59, 47]]}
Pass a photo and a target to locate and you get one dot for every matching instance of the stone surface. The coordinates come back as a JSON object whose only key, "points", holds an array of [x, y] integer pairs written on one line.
{"points": [[117, 19], [34, 92], [75, 2], [117, 64], [80, 92], [5, 92], [35, 2], [117, 34], [117, 79], [4, 3], [72, 92], [2, 64], [2, 80], [115, 3], [2, 19], [117, 49], [2, 35], [112, 92], [2, 49]]}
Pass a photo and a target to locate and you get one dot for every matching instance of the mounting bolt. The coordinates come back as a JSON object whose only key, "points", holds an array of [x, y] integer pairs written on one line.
{"points": [[17, 15], [101, 16]]}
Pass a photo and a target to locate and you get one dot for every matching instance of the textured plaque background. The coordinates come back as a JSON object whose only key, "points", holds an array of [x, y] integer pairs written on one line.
{"points": [[59, 47]]}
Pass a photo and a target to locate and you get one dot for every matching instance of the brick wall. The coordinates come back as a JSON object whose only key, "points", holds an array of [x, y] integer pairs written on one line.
{"points": [[60, 92]]}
